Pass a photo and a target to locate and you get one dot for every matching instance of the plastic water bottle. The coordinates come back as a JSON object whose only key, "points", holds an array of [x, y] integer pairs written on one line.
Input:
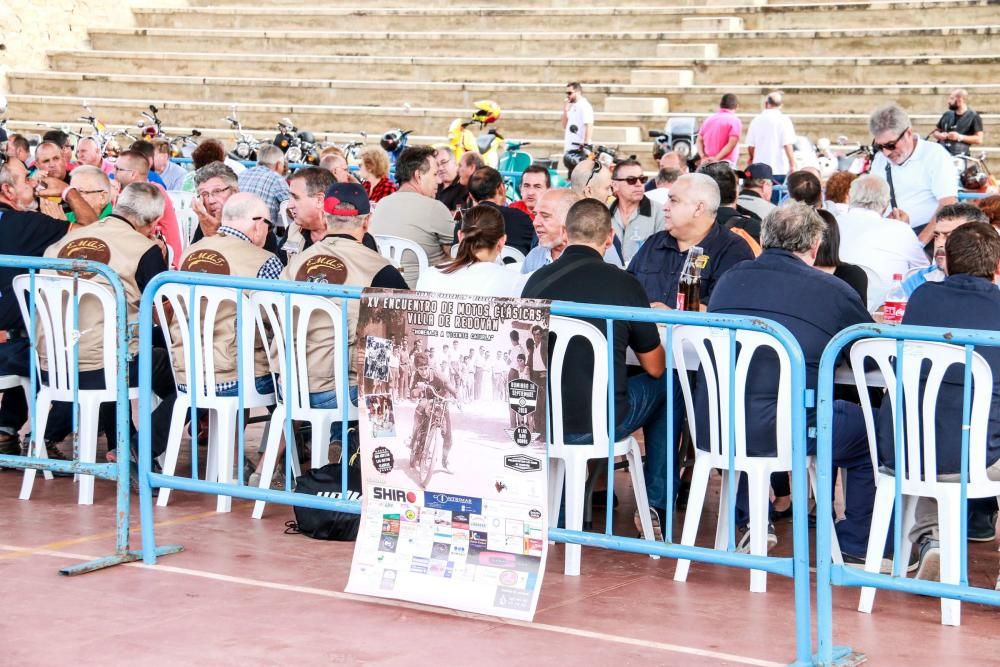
{"points": [[895, 302]]}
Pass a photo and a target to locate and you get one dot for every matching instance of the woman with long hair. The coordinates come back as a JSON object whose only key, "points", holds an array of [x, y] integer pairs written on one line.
{"points": [[475, 269], [828, 258]]}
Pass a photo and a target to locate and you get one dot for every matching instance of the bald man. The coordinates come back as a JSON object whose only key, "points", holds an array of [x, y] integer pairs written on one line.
{"points": [[133, 167], [960, 127], [550, 226], [689, 214], [88, 151], [49, 160], [592, 180]]}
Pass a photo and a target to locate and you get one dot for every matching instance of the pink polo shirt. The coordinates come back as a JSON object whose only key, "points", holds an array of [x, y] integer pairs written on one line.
{"points": [[716, 131]]}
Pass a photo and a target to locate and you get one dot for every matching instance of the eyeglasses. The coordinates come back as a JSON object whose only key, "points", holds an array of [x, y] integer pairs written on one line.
{"points": [[889, 146], [119, 170], [92, 192], [214, 193], [261, 218], [632, 180]]}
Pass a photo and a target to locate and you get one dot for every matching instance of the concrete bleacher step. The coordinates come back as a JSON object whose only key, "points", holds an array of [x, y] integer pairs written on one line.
{"points": [[803, 99], [778, 71], [355, 4], [844, 15]]}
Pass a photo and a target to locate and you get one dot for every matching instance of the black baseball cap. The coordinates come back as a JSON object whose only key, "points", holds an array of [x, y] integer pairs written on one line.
{"points": [[346, 199], [758, 171]]}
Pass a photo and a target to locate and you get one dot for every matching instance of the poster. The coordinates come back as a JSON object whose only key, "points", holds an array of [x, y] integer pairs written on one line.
{"points": [[452, 424]]}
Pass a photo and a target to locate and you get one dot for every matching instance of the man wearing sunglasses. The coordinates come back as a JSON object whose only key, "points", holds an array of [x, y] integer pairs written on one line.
{"points": [[920, 173], [577, 118], [633, 215]]}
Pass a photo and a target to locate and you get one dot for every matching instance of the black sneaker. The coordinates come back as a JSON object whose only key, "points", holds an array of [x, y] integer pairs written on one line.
{"points": [[743, 544], [10, 444], [982, 526], [929, 554]]}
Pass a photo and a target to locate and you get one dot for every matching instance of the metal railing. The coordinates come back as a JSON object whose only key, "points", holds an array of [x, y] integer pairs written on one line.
{"points": [[795, 567], [828, 574]]}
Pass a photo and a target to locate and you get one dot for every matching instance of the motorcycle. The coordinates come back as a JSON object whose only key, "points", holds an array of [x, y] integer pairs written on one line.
{"points": [[394, 142], [678, 135], [603, 154], [352, 149], [246, 143], [857, 161], [152, 128], [106, 139], [426, 453], [488, 145], [299, 146], [513, 162], [973, 174]]}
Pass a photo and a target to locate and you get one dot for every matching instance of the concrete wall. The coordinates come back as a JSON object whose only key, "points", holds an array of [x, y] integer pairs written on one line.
{"points": [[29, 28]]}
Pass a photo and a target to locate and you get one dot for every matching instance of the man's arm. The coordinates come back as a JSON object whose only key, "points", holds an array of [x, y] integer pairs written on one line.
{"points": [[653, 362], [565, 113], [208, 224], [928, 232], [750, 151], [588, 133], [790, 153], [53, 187], [730, 144]]}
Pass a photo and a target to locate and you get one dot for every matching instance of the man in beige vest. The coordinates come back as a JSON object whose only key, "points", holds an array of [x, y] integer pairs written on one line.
{"points": [[122, 241], [306, 188]]}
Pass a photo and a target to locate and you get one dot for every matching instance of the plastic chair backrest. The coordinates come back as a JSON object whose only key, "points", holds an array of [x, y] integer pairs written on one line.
{"points": [[273, 327], [920, 438], [565, 329], [181, 199], [54, 314], [512, 253], [283, 220], [200, 349], [719, 372], [393, 248], [187, 223]]}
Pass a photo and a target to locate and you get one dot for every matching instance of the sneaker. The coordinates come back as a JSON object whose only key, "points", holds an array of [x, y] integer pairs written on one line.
{"points": [[654, 517], [885, 567], [982, 526], [929, 567], [52, 449], [277, 481], [10, 444], [743, 544]]}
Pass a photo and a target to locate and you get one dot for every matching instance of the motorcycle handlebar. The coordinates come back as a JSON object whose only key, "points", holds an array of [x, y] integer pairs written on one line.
{"points": [[655, 134]]}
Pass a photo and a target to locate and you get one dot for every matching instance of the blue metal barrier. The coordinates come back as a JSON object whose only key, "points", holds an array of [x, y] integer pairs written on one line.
{"points": [[118, 473], [796, 567], [827, 574]]}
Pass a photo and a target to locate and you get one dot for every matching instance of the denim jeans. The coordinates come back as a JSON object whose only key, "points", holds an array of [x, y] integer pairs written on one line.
{"points": [[264, 385], [648, 411]]}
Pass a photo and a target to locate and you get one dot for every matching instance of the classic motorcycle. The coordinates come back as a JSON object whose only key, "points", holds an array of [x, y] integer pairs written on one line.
{"points": [[299, 145], [246, 143]]}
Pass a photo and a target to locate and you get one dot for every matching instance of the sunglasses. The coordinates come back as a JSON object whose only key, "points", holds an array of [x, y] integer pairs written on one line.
{"points": [[632, 180], [889, 146]]}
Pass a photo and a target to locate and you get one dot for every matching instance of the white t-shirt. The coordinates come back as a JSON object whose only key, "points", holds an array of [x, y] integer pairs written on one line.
{"points": [[423, 220], [883, 245], [925, 178], [580, 114], [479, 279], [769, 133]]}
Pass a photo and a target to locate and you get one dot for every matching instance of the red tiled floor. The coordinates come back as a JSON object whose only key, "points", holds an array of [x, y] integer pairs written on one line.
{"points": [[227, 600]]}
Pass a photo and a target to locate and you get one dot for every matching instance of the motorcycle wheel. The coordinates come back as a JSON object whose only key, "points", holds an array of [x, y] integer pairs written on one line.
{"points": [[429, 456], [683, 148]]}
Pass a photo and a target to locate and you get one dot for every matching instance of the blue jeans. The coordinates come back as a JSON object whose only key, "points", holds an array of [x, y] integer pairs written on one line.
{"points": [[850, 451], [648, 411], [264, 385]]}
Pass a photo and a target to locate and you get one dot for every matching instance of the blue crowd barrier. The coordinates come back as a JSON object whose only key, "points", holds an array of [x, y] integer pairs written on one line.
{"points": [[119, 472], [795, 567], [828, 574], [963, 195]]}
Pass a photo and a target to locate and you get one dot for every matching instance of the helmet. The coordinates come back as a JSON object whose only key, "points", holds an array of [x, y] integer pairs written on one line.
{"points": [[390, 140], [974, 177], [487, 111], [307, 137]]}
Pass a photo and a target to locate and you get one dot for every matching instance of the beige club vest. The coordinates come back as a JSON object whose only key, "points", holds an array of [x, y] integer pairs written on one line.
{"points": [[114, 242], [227, 256], [339, 261]]}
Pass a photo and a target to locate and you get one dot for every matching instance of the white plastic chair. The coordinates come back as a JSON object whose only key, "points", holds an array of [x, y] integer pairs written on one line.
{"points": [[11, 381], [877, 288], [508, 252], [919, 465], [307, 313], [187, 219], [54, 314], [181, 199], [283, 221], [568, 462], [717, 378], [393, 248], [202, 379]]}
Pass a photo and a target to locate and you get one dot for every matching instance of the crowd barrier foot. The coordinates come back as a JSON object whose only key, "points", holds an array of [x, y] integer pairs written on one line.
{"points": [[843, 656], [117, 559]]}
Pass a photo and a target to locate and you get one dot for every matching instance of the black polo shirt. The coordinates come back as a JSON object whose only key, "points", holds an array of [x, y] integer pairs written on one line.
{"points": [[25, 233], [454, 195], [966, 124], [581, 275], [733, 217], [517, 225], [658, 264]]}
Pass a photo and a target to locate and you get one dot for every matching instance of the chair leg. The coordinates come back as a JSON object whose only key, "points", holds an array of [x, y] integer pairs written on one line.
{"points": [[222, 427], [88, 448], [37, 446], [949, 529], [692, 516], [274, 434], [576, 478], [722, 525], [557, 473], [321, 443], [885, 498], [634, 457], [758, 484], [181, 408]]}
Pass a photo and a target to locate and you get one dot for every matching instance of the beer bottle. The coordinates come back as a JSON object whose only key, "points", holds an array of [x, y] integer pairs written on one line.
{"points": [[689, 284]]}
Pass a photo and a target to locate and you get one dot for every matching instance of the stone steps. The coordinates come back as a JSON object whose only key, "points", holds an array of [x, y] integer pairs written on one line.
{"points": [[914, 13], [463, 4], [618, 97], [887, 42], [772, 71]]}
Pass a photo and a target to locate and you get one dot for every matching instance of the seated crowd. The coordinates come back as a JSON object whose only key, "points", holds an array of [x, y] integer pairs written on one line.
{"points": [[816, 264]]}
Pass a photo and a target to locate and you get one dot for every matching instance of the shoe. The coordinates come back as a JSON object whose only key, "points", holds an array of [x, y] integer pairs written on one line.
{"points": [[654, 517], [929, 567], [781, 515], [743, 545], [600, 500], [10, 444], [982, 526], [277, 481], [683, 491], [885, 567], [52, 450]]}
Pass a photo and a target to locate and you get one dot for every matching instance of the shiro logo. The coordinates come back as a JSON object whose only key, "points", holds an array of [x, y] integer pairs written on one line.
{"points": [[393, 495]]}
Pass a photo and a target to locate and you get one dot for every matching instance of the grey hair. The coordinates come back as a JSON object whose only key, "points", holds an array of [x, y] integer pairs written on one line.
{"points": [[703, 189], [775, 99], [93, 172], [140, 203], [793, 226], [7, 176], [869, 191], [890, 117], [345, 222], [269, 155], [217, 170]]}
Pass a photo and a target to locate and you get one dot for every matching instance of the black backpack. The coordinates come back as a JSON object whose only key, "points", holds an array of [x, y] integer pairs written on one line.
{"points": [[328, 524]]}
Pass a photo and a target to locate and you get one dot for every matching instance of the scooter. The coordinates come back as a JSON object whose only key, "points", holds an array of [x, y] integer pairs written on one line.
{"points": [[246, 143], [514, 161], [394, 142], [488, 145]]}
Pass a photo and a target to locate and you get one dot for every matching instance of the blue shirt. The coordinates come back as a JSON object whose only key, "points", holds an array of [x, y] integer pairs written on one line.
{"points": [[811, 304], [658, 264], [960, 302], [266, 184]]}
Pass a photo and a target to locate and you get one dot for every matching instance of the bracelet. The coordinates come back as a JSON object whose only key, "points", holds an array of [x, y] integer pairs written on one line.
{"points": [[64, 192]]}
